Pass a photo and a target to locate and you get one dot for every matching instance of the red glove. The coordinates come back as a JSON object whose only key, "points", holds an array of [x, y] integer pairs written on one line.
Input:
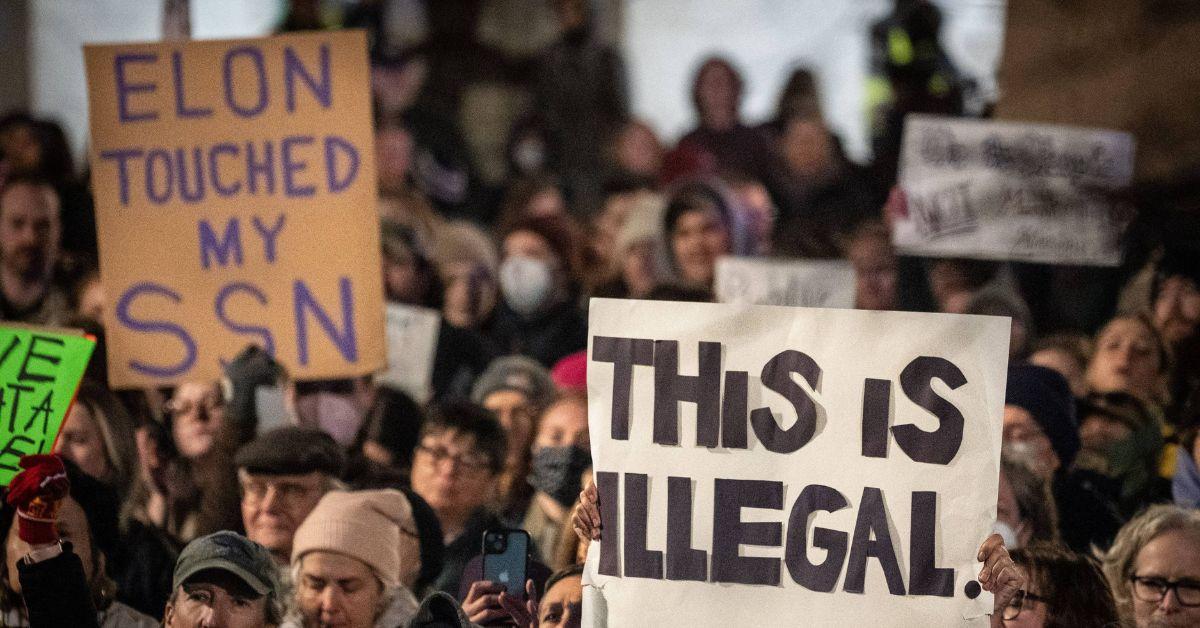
{"points": [[37, 492]]}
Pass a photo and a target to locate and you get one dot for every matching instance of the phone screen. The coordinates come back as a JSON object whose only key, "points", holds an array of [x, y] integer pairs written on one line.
{"points": [[505, 555]]}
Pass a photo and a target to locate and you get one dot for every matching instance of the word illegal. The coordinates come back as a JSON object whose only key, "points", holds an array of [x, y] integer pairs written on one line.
{"points": [[626, 553]]}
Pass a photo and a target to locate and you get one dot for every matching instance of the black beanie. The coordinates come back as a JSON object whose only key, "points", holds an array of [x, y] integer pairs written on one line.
{"points": [[1045, 394]]}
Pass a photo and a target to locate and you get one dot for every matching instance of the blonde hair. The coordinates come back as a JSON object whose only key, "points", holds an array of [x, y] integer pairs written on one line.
{"points": [[1137, 534]]}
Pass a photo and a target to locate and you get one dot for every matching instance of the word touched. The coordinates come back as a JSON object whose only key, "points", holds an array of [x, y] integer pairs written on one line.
{"points": [[235, 187]]}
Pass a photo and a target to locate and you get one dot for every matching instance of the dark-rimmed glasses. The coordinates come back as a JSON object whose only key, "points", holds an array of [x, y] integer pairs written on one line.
{"points": [[1017, 604], [1153, 590]]}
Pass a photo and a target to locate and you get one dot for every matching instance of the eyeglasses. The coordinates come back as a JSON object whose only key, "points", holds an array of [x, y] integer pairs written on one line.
{"points": [[1017, 604], [206, 408], [472, 461], [1153, 590]]}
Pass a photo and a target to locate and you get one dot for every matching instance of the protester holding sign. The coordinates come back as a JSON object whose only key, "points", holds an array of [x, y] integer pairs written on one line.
{"points": [[716, 465], [97, 436], [1062, 588], [999, 574]]}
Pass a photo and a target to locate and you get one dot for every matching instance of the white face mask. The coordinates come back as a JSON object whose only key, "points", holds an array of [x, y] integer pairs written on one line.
{"points": [[526, 283], [1022, 453]]}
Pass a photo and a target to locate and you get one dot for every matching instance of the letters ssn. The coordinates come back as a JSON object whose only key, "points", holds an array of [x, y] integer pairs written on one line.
{"points": [[722, 421]]}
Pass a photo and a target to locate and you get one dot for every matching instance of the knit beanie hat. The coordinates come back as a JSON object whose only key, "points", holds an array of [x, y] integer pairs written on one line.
{"points": [[365, 525], [1045, 394], [515, 372], [570, 373]]}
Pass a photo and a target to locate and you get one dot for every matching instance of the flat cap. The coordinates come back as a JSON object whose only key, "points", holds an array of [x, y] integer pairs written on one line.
{"points": [[292, 450]]}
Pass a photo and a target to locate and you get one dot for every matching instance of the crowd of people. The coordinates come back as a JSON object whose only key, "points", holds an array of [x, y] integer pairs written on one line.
{"points": [[178, 506]]}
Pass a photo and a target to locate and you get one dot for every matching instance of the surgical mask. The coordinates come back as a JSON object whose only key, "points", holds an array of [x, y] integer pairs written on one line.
{"points": [[1011, 539], [558, 472], [1021, 452], [526, 283], [334, 413]]}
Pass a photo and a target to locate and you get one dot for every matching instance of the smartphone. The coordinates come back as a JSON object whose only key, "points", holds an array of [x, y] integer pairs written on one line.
{"points": [[506, 559]]}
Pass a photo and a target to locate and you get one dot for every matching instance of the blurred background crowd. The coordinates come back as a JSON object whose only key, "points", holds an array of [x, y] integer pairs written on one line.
{"points": [[512, 188]]}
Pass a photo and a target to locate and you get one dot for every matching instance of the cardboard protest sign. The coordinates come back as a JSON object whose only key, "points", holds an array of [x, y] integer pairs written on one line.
{"points": [[39, 373], [236, 204], [825, 467], [799, 283], [412, 334], [1009, 191]]}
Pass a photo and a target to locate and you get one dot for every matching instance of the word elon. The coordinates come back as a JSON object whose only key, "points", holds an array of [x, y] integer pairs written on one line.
{"points": [[722, 421], [160, 175]]}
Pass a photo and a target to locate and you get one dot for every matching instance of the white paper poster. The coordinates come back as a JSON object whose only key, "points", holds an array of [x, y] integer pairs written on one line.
{"points": [[1012, 191], [412, 334], [800, 283], [776, 466]]}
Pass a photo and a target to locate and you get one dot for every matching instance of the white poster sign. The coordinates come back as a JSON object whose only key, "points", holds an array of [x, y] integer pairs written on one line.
{"points": [[800, 283], [412, 334], [775, 466], [1012, 191]]}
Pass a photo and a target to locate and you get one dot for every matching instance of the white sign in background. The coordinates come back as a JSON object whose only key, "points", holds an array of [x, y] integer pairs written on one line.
{"points": [[849, 347], [1012, 191], [798, 283], [412, 334]]}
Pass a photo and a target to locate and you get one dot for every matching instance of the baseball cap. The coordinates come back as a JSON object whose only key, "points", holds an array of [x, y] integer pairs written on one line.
{"points": [[230, 552]]}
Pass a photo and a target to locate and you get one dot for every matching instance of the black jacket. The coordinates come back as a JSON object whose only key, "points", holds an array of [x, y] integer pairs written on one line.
{"points": [[56, 592], [546, 337]]}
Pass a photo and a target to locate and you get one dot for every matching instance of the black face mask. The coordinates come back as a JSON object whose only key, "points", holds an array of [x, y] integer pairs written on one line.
{"points": [[558, 472]]}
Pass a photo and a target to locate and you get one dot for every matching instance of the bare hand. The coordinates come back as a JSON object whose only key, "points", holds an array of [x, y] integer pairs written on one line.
{"points": [[586, 518], [999, 575], [525, 615], [483, 602]]}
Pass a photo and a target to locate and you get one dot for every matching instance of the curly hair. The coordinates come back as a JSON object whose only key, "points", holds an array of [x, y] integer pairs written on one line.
{"points": [[1137, 534]]}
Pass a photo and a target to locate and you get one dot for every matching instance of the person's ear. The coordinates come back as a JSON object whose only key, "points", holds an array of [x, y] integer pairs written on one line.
{"points": [[168, 615]]}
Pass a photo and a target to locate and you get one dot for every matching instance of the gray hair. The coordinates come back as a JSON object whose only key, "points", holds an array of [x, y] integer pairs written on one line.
{"points": [[1137, 534]]}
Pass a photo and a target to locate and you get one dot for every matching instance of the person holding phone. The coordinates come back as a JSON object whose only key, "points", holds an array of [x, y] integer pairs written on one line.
{"points": [[505, 570], [560, 607]]}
